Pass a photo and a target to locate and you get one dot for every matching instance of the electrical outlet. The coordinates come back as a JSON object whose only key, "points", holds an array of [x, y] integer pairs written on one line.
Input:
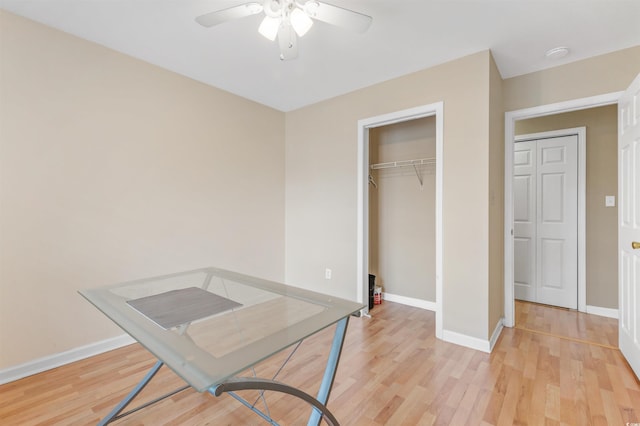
{"points": [[327, 274]]}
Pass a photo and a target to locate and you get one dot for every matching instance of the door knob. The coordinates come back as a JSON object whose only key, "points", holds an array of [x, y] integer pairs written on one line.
{"points": [[635, 245]]}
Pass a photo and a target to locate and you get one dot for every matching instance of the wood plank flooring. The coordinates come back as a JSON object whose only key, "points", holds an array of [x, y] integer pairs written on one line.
{"points": [[567, 323], [393, 372]]}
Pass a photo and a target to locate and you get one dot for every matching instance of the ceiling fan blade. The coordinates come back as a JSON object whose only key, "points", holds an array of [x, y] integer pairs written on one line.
{"points": [[288, 42], [229, 14], [338, 16]]}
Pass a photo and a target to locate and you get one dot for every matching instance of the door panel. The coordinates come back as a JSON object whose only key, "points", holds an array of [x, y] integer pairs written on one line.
{"points": [[557, 224], [552, 194], [552, 263], [546, 221], [524, 209], [553, 155], [629, 224], [523, 255], [524, 191]]}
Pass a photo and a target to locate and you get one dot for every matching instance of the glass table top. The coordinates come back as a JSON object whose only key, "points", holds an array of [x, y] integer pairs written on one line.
{"points": [[209, 324]]}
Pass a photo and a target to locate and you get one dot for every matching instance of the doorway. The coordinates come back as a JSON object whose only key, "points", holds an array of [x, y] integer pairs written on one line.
{"points": [[510, 131], [402, 211], [549, 217], [364, 126]]}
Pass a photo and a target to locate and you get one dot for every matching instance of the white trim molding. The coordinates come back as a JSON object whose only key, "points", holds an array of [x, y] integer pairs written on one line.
{"points": [[474, 342], [437, 110], [496, 334], [466, 341], [509, 133], [410, 301], [450, 336], [603, 312], [56, 360]]}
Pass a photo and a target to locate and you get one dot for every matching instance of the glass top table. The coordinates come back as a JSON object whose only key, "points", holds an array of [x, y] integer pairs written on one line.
{"points": [[208, 325]]}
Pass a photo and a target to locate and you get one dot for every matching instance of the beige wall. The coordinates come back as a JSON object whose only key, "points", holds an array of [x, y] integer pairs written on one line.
{"points": [[608, 73], [496, 199], [602, 179], [113, 169], [402, 212], [590, 77], [321, 208]]}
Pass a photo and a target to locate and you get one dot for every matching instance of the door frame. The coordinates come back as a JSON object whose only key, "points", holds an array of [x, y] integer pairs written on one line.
{"points": [[509, 135], [580, 132], [435, 109]]}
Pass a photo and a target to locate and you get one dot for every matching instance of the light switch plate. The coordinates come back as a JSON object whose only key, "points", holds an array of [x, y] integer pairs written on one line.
{"points": [[610, 201]]}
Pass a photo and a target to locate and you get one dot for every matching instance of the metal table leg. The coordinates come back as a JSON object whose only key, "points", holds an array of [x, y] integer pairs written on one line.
{"points": [[330, 370], [319, 404], [115, 413], [254, 383]]}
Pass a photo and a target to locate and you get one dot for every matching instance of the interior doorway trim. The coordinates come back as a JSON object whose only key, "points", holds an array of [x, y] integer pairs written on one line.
{"points": [[509, 136], [434, 109]]}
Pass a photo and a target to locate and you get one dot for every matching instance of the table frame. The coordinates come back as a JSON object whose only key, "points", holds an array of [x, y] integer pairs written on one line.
{"points": [[104, 300], [232, 385]]}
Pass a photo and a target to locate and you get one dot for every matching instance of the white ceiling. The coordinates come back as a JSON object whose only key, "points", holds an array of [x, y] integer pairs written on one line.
{"points": [[405, 36]]}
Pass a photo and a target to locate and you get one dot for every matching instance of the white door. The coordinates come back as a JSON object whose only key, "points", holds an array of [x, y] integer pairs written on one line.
{"points": [[524, 220], [546, 221], [629, 224]]}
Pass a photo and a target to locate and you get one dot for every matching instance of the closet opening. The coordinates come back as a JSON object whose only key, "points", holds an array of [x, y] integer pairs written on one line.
{"points": [[402, 166], [417, 170]]}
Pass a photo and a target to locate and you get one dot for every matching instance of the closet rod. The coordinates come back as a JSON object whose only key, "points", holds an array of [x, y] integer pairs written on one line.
{"points": [[403, 163]]}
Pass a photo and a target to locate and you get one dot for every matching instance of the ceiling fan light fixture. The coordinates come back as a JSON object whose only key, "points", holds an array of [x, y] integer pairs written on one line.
{"points": [[288, 20], [254, 8], [311, 7], [269, 27], [300, 22]]}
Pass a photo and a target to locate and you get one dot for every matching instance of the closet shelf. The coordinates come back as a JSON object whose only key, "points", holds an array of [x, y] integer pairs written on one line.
{"points": [[403, 163]]}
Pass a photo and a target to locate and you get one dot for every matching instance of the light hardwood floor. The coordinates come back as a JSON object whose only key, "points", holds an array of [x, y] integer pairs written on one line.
{"points": [[393, 372], [567, 323]]}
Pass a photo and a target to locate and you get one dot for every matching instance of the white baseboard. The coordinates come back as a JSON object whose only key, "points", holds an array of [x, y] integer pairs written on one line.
{"points": [[56, 360], [603, 312], [410, 301], [474, 342], [496, 333], [450, 336], [466, 341]]}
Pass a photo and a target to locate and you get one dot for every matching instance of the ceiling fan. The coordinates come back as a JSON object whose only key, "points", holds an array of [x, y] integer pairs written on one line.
{"points": [[289, 19]]}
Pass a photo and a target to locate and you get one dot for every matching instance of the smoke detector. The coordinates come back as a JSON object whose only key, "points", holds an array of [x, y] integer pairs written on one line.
{"points": [[557, 52]]}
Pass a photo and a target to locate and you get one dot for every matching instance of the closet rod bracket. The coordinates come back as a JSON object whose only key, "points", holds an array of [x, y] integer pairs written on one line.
{"points": [[418, 176]]}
